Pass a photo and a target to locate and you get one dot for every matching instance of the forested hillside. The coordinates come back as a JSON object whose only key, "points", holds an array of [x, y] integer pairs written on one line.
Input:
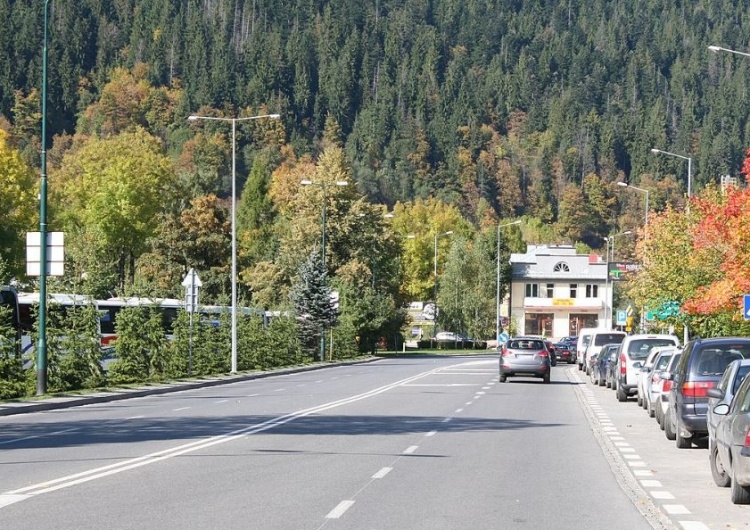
{"points": [[464, 100]]}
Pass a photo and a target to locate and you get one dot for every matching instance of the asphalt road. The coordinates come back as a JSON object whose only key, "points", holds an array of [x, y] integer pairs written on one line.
{"points": [[406, 443]]}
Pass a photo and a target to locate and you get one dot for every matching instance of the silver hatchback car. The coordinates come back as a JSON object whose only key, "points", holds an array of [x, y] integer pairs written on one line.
{"points": [[525, 356]]}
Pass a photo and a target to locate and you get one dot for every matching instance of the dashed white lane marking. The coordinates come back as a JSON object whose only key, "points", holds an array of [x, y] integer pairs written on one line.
{"points": [[468, 403], [431, 433], [631, 457], [221, 401], [383, 472], [637, 463], [459, 410], [662, 495], [279, 389], [693, 525], [643, 473], [319, 381], [627, 450], [252, 395], [135, 417], [410, 450], [340, 510], [181, 408], [481, 393], [675, 509], [651, 484]]}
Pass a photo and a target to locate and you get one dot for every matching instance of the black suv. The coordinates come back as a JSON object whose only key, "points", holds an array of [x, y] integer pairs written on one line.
{"points": [[701, 366]]}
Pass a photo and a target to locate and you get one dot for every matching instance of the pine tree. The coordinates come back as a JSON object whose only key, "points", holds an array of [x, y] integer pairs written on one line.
{"points": [[312, 303]]}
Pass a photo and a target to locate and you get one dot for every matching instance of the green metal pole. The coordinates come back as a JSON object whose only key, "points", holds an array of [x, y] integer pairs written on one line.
{"points": [[41, 354]]}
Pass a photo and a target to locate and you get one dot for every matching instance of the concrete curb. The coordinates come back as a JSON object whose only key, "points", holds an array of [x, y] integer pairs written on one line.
{"points": [[9, 408]]}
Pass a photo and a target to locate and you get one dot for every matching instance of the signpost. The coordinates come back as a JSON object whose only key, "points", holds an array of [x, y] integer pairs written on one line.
{"points": [[191, 284], [746, 310], [622, 317]]}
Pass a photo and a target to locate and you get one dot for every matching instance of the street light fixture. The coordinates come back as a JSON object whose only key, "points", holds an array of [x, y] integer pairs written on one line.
{"points": [[690, 163], [497, 294], [642, 190], [324, 186], [435, 289], [716, 49], [610, 288], [234, 216]]}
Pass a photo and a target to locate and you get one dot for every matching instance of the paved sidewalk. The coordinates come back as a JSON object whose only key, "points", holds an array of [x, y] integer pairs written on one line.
{"points": [[8, 408]]}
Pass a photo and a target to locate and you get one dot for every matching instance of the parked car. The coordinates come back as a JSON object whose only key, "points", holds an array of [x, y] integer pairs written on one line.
{"points": [[662, 397], [633, 352], [601, 365], [565, 352], [525, 356], [732, 441], [611, 365], [644, 375], [599, 338], [654, 382], [723, 394], [584, 339], [701, 367]]}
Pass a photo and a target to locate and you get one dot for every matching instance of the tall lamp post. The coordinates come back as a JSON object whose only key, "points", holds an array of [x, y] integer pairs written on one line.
{"points": [[324, 186], [234, 216], [720, 49], [642, 190], [610, 285], [690, 163], [435, 289], [497, 282], [41, 353]]}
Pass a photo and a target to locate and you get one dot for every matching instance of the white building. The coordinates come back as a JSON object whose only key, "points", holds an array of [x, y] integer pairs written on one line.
{"points": [[555, 291]]}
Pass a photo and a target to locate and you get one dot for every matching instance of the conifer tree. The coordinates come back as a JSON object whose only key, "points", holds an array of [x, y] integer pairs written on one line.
{"points": [[312, 302]]}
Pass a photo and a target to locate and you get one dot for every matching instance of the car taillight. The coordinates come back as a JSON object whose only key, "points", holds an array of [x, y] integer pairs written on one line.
{"points": [[623, 364], [504, 353], [542, 353], [696, 388], [747, 438], [666, 386]]}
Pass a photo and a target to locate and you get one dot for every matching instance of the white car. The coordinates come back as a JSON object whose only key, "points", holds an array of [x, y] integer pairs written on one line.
{"points": [[633, 352], [655, 382], [647, 371], [600, 338]]}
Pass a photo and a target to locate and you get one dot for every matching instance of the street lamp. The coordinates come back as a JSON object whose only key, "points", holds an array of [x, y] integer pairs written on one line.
{"points": [[610, 288], [720, 49], [324, 186], [497, 295], [41, 352], [234, 217], [435, 289], [642, 190], [689, 161]]}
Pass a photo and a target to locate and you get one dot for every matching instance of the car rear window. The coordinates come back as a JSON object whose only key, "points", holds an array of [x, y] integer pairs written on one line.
{"points": [[526, 345], [713, 359], [662, 362], [608, 338], [640, 348]]}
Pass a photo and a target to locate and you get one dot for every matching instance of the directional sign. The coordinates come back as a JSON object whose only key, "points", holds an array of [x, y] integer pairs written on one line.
{"points": [[746, 310], [622, 317], [191, 284]]}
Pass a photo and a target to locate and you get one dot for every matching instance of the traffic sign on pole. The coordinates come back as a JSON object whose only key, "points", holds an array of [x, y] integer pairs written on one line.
{"points": [[746, 310], [191, 284]]}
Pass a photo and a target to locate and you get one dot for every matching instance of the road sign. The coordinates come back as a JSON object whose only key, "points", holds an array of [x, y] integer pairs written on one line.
{"points": [[55, 253], [191, 284], [502, 338], [622, 317], [746, 310]]}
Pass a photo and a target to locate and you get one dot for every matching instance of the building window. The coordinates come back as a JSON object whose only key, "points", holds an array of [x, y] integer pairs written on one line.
{"points": [[561, 267], [592, 291], [550, 290], [573, 290], [532, 290]]}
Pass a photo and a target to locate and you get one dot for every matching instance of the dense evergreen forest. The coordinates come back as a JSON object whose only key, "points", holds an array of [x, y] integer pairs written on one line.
{"points": [[502, 100]]}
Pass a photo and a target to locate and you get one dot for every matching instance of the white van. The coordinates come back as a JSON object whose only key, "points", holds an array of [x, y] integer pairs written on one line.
{"points": [[599, 338], [584, 338], [633, 353]]}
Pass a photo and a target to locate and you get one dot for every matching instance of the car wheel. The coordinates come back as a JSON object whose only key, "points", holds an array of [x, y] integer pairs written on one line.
{"points": [[660, 417], [719, 474], [668, 428], [608, 383], [546, 379], [680, 441], [639, 399], [622, 397], [503, 378], [740, 494], [650, 409]]}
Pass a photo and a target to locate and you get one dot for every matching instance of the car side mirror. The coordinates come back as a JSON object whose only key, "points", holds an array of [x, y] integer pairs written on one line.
{"points": [[637, 365], [645, 369], [715, 393], [721, 410]]}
